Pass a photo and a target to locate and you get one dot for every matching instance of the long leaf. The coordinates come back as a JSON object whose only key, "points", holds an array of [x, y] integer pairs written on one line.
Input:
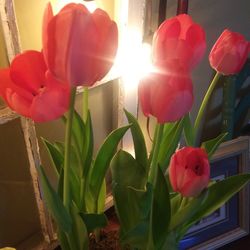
{"points": [[219, 193], [139, 141], [169, 144], [87, 147], [103, 158], [64, 243], [54, 203], [137, 236], [189, 131], [124, 189], [78, 128], [55, 155], [127, 172], [161, 211], [211, 145], [186, 211], [94, 221], [79, 230]]}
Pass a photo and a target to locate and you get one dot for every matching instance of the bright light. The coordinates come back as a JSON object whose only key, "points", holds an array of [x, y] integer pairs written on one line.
{"points": [[59, 4], [134, 60]]}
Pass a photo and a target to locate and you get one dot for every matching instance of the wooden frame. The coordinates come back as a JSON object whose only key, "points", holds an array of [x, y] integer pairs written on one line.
{"points": [[235, 149]]}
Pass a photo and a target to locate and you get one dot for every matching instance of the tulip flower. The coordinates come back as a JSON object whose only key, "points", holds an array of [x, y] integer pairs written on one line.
{"points": [[179, 38], [79, 46], [189, 171], [229, 53], [168, 96], [31, 91]]}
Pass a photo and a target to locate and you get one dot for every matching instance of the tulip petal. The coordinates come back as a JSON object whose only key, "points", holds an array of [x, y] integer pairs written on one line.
{"points": [[144, 96], [169, 30], [5, 81], [49, 105], [229, 53], [174, 98], [47, 16], [18, 103], [194, 186], [184, 175], [108, 42], [8, 84], [27, 70]]}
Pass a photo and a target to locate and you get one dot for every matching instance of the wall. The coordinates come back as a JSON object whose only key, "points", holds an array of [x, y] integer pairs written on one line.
{"points": [[29, 15]]}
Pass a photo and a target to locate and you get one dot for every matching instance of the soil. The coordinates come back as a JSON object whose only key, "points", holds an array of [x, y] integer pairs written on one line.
{"points": [[109, 237], [108, 241]]}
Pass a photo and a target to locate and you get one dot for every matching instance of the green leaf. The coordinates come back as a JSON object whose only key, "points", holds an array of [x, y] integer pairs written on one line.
{"points": [[137, 236], [75, 162], [127, 172], [101, 198], [54, 203], [79, 230], [161, 211], [74, 176], [60, 184], [129, 215], [64, 244], [211, 145], [94, 221], [175, 203], [189, 131], [186, 210], [168, 128], [169, 144], [124, 189], [55, 155], [103, 158], [87, 147], [219, 193], [139, 141], [78, 128]]}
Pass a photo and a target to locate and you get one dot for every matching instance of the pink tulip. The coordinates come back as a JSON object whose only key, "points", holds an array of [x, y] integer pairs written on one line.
{"points": [[31, 91], [166, 95], [179, 38], [79, 47], [229, 53], [189, 171]]}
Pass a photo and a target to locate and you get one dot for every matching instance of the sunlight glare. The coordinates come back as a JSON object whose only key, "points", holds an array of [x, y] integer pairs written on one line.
{"points": [[59, 4]]}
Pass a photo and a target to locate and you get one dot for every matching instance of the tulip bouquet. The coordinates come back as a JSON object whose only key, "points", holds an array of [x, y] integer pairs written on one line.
{"points": [[157, 195]]}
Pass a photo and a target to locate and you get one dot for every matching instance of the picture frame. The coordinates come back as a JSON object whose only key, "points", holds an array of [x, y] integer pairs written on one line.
{"points": [[231, 221]]}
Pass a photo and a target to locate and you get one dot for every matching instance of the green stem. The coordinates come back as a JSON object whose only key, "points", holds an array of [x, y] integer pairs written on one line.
{"points": [[204, 102], [66, 184], [85, 107], [85, 103], [157, 143]]}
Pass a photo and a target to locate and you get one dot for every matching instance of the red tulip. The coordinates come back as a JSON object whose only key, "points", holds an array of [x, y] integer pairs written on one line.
{"points": [[30, 91], [189, 171], [229, 53], [179, 38], [79, 46], [166, 95]]}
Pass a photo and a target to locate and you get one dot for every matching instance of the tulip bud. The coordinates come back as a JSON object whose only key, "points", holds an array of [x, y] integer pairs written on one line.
{"points": [[79, 47], [168, 96], [189, 171], [229, 53], [181, 39]]}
